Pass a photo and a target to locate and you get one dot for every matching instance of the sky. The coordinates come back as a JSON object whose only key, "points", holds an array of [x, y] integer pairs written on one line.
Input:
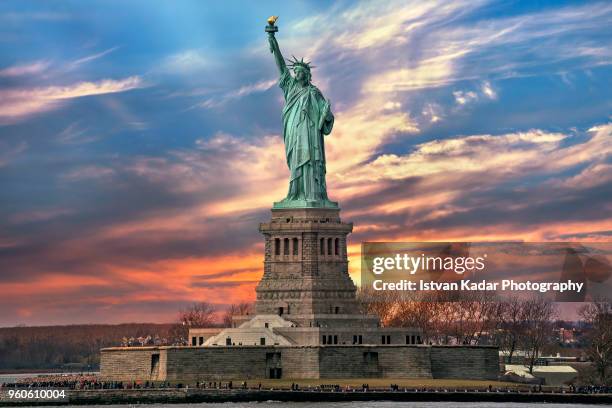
{"points": [[140, 141]]}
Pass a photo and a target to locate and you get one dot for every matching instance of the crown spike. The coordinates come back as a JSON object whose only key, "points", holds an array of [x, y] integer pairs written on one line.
{"points": [[293, 63]]}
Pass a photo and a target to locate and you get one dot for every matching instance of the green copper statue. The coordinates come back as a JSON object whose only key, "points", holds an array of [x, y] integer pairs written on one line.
{"points": [[307, 117]]}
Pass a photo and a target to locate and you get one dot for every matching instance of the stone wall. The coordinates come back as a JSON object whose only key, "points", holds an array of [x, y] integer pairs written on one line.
{"points": [[474, 362], [300, 362], [217, 363], [375, 362], [131, 363], [346, 362], [252, 362], [405, 362]]}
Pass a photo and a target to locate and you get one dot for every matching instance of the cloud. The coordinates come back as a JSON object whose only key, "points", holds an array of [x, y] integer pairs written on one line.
{"points": [[236, 168], [9, 152], [370, 25], [414, 46], [224, 284], [465, 97], [260, 86], [592, 176], [39, 215], [88, 173], [432, 112], [511, 154], [360, 131], [186, 62], [21, 102], [241, 92], [75, 133], [488, 91], [77, 90], [430, 73], [485, 187], [124, 114], [33, 68], [224, 274], [92, 57]]}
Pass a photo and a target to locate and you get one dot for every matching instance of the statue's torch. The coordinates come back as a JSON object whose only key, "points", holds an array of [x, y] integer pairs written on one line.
{"points": [[271, 29]]}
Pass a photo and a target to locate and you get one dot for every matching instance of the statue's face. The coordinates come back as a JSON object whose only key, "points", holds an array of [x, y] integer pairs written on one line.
{"points": [[301, 74]]}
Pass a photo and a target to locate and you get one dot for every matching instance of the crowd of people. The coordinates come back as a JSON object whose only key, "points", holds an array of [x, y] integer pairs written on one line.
{"points": [[92, 382], [592, 389], [53, 381], [82, 382]]}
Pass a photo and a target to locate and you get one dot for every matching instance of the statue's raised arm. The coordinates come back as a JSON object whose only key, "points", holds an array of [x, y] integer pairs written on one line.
{"points": [[274, 48]]}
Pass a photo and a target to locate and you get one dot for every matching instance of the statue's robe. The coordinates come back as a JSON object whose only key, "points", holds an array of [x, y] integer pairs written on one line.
{"points": [[305, 122]]}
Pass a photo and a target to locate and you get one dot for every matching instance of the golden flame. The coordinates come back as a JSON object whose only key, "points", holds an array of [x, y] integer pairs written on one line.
{"points": [[272, 20]]}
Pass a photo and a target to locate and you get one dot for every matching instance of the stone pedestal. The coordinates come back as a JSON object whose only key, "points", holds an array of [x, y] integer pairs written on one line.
{"points": [[306, 266]]}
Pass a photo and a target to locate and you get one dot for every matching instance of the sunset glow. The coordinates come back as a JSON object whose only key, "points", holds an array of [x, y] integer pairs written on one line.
{"points": [[139, 151]]}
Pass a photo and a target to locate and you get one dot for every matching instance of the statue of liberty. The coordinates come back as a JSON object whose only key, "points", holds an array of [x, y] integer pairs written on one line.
{"points": [[307, 117]]}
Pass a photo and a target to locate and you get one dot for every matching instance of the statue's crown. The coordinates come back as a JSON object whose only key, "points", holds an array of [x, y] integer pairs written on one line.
{"points": [[299, 63]]}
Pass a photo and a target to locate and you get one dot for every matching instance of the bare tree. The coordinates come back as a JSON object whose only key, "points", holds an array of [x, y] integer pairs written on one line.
{"points": [[490, 309], [236, 309], [200, 314], [444, 322], [479, 315], [443, 318], [598, 315], [511, 325], [538, 314], [380, 303], [177, 335], [415, 310]]}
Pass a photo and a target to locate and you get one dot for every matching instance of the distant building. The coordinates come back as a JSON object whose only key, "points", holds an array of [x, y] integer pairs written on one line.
{"points": [[520, 357], [549, 375]]}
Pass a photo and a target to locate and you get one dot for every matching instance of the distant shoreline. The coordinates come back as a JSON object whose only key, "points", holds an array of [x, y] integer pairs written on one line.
{"points": [[171, 396]]}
